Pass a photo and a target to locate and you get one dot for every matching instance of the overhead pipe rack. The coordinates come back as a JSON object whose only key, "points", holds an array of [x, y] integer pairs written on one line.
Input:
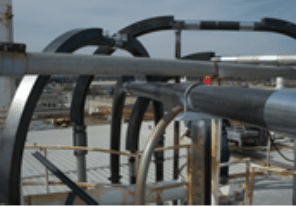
{"points": [[274, 109]]}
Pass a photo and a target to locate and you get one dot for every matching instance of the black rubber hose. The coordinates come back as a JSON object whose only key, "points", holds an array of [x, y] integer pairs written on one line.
{"points": [[278, 26], [21, 111], [280, 153], [135, 47]]}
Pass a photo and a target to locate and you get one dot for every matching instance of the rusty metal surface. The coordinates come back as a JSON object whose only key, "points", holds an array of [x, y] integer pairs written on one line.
{"points": [[252, 180], [81, 148], [6, 21], [7, 84], [198, 179], [216, 125]]}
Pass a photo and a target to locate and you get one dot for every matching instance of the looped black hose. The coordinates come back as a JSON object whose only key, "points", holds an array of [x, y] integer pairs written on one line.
{"points": [[21, 111], [280, 153]]}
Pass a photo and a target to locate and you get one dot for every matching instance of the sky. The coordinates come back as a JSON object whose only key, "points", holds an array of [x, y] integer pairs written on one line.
{"points": [[38, 22]]}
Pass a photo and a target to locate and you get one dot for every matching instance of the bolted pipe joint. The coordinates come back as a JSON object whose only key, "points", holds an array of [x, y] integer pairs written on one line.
{"points": [[79, 139]]}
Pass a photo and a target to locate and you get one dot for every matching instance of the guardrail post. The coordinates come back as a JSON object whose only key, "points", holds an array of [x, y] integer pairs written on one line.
{"points": [[44, 151], [216, 148], [201, 162], [247, 182], [252, 185]]}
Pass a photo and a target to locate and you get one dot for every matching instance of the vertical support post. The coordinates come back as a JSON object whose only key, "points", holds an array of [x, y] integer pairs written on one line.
{"points": [[280, 83], [252, 185], [268, 152], [176, 123], [216, 148], [201, 158], [137, 163], [7, 84], [247, 182], [134, 166], [189, 176], [294, 176], [46, 171], [80, 140]]}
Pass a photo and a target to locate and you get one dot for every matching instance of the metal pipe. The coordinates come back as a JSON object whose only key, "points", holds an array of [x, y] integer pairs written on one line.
{"points": [[77, 190], [216, 148], [265, 25], [247, 182], [80, 140], [201, 166], [146, 156], [270, 109], [259, 59], [268, 151], [216, 25], [118, 195], [280, 83], [176, 123], [50, 63], [46, 171], [7, 84]]}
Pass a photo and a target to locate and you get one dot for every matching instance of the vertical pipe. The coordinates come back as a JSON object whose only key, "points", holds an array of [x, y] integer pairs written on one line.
{"points": [[247, 182], [189, 177], [201, 177], [268, 152], [80, 140], [280, 83], [176, 123], [216, 148], [252, 185], [7, 84]]}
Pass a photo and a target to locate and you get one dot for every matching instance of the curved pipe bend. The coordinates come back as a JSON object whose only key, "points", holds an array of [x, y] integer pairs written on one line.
{"points": [[137, 49], [21, 111]]}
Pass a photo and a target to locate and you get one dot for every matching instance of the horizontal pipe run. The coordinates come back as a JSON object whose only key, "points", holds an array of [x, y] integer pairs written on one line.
{"points": [[117, 195], [215, 25], [274, 110], [277, 60], [17, 64]]}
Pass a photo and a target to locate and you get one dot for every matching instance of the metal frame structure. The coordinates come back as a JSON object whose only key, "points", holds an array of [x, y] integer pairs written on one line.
{"points": [[203, 98]]}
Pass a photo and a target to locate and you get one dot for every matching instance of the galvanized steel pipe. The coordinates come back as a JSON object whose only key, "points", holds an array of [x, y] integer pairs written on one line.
{"points": [[259, 59], [14, 64], [275, 110]]}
